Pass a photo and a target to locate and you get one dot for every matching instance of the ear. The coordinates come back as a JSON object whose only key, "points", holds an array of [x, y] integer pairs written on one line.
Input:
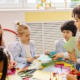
{"points": [[19, 35]]}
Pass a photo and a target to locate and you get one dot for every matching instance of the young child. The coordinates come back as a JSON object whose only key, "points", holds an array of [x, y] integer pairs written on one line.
{"points": [[68, 30], [3, 65], [24, 51], [2, 44]]}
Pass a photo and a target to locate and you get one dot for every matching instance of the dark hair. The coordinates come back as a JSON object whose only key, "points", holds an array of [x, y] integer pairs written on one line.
{"points": [[1, 36], [76, 11], [69, 25], [3, 58]]}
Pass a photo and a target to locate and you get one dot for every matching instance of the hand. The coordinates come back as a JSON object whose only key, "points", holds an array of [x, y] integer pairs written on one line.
{"points": [[57, 56], [14, 63], [71, 77], [30, 59], [10, 66], [47, 52], [37, 56], [72, 56], [75, 71]]}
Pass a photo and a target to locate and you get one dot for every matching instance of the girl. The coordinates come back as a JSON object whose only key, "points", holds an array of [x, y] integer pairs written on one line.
{"points": [[24, 51], [12, 63], [3, 65]]}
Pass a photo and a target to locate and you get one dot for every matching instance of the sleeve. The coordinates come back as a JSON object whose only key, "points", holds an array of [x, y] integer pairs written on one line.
{"points": [[11, 57], [59, 49], [17, 55], [78, 60], [66, 55], [33, 50]]}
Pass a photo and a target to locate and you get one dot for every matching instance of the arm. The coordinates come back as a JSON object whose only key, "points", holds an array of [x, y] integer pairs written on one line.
{"points": [[17, 54], [61, 52]]}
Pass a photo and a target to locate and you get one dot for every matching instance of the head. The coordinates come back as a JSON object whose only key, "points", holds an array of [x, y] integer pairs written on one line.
{"points": [[68, 29], [76, 16], [3, 64], [23, 33]]}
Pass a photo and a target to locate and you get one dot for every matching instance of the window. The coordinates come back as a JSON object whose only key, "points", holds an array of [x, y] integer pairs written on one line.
{"points": [[10, 3], [51, 3]]}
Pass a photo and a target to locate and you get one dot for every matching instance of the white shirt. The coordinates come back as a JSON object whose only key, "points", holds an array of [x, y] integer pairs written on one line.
{"points": [[27, 49]]}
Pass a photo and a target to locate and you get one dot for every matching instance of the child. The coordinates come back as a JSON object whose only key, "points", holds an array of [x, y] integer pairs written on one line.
{"points": [[24, 51], [3, 65], [68, 30], [12, 62]]}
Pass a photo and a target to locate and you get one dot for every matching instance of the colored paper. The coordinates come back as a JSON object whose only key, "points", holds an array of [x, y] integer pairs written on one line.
{"points": [[70, 45]]}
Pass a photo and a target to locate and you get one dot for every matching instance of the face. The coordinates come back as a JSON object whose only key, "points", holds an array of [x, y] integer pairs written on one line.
{"points": [[67, 34], [77, 22], [25, 38]]}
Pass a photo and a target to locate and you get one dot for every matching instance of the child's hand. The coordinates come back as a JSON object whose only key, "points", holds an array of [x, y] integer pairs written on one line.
{"points": [[10, 66], [47, 52], [58, 55], [30, 59], [14, 63], [72, 56], [37, 56]]}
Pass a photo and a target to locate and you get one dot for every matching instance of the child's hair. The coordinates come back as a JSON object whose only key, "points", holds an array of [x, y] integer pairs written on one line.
{"points": [[21, 28], [76, 11], [3, 58], [69, 25]]}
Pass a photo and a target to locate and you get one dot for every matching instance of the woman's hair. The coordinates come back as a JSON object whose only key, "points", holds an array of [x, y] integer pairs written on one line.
{"points": [[1, 36], [3, 58], [21, 28], [69, 25], [76, 11]]}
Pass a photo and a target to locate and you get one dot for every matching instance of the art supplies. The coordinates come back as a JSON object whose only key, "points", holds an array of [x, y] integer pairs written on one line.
{"points": [[27, 73], [11, 72], [52, 53]]}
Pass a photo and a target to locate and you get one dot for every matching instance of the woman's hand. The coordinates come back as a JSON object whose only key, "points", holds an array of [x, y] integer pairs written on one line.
{"points": [[72, 56], [71, 77], [47, 52]]}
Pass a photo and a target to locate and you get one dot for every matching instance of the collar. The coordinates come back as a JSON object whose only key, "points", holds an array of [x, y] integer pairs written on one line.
{"points": [[64, 40]]}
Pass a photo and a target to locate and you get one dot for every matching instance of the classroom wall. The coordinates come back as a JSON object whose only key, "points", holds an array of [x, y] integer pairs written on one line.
{"points": [[48, 16], [7, 20]]}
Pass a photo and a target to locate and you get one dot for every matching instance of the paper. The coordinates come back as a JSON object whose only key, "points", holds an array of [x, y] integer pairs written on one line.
{"points": [[35, 65], [14, 77], [41, 75], [20, 65], [70, 45], [44, 58]]}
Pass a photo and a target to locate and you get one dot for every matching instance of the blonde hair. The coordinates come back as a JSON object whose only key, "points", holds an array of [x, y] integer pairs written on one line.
{"points": [[21, 28]]}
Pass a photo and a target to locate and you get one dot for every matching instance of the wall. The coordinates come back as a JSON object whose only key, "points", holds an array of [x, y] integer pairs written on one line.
{"points": [[7, 20], [48, 16]]}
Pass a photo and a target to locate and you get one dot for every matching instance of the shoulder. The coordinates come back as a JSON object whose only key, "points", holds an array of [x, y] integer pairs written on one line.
{"points": [[59, 41]]}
